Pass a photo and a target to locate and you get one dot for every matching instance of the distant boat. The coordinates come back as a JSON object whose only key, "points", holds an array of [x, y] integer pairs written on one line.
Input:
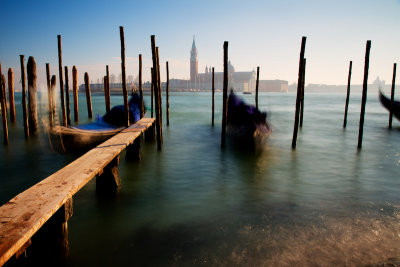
{"points": [[81, 138], [386, 103], [246, 124], [247, 93]]}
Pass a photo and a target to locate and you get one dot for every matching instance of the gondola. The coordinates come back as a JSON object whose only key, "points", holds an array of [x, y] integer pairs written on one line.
{"points": [[246, 125], [385, 101], [81, 138]]}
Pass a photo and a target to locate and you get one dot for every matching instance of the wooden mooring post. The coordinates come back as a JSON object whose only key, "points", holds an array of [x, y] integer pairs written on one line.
{"points": [[67, 105], [152, 93], [88, 96], [5, 95], [257, 81], [157, 92], [141, 87], [60, 72], [107, 90], [3, 108], [32, 93], [298, 97], [392, 96], [53, 85], [124, 89], [159, 110], [167, 95], [24, 106], [49, 95], [302, 92], [106, 94], [225, 96], [347, 95], [75, 93], [11, 94], [364, 95], [212, 97]]}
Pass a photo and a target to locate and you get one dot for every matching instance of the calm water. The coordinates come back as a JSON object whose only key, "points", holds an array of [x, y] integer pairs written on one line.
{"points": [[193, 204]]}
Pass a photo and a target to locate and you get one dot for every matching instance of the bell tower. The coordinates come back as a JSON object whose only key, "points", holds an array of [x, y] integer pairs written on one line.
{"points": [[194, 71]]}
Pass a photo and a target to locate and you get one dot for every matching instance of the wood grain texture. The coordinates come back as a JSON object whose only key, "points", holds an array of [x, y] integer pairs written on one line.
{"points": [[22, 216]]}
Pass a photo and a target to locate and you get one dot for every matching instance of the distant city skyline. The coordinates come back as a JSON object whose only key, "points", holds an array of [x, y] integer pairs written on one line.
{"points": [[260, 33]]}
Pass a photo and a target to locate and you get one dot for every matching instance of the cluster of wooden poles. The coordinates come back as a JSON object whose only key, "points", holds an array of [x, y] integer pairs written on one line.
{"points": [[30, 120], [300, 94], [298, 122]]}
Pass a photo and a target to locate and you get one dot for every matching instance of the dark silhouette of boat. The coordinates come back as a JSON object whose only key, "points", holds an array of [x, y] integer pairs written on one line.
{"points": [[81, 138], [385, 101], [246, 124]]}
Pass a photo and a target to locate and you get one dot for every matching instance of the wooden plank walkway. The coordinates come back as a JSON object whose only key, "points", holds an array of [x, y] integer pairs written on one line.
{"points": [[25, 214]]}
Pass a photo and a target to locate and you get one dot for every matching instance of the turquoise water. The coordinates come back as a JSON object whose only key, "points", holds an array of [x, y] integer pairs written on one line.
{"points": [[324, 203]]}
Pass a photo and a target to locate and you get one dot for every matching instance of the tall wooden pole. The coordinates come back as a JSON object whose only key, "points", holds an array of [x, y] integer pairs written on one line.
{"points": [[213, 97], [107, 90], [156, 91], [32, 93], [88, 96], [75, 93], [60, 72], [159, 101], [167, 94], [257, 81], [298, 97], [67, 105], [225, 96], [159, 91], [11, 94], [141, 87], [49, 95], [24, 107], [4, 108], [347, 95], [364, 94], [152, 92], [108, 85], [125, 91], [302, 92], [5, 95], [106, 94], [53, 86], [392, 96]]}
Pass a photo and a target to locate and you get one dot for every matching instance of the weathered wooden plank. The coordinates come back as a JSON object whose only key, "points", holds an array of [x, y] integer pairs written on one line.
{"points": [[22, 216]]}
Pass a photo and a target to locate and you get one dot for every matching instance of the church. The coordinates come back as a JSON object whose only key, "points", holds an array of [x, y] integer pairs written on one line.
{"points": [[240, 81]]}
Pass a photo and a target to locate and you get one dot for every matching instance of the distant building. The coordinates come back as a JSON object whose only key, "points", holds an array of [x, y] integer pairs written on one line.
{"points": [[240, 81], [273, 86]]}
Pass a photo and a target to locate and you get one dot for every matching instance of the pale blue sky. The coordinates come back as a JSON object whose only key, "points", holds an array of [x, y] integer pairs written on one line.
{"points": [[260, 33]]}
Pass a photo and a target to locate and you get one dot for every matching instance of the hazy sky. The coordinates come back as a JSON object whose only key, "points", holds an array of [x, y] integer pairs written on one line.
{"points": [[260, 33]]}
